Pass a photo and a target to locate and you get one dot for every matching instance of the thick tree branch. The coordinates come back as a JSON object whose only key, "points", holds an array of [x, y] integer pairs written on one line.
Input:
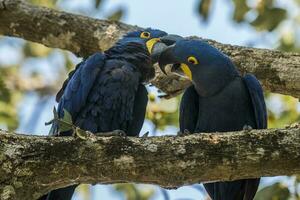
{"points": [[78, 34], [32, 165], [278, 71]]}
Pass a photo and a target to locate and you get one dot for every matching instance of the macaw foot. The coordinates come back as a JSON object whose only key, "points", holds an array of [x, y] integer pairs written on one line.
{"points": [[145, 135], [119, 133], [112, 133], [184, 133], [247, 127]]}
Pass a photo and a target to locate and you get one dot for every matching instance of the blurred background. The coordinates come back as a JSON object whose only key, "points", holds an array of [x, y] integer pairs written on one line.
{"points": [[30, 74]]}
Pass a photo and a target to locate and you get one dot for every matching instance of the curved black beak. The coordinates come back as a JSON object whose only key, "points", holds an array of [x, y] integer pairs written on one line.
{"points": [[167, 57], [163, 44], [171, 39]]}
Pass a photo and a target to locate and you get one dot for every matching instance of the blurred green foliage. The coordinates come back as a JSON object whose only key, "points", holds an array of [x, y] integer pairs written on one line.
{"points": [[9, 99], [267, 17], [85, 191], [162, 112], [133, 192], [31, 49], [277, 191], [286, 113]]}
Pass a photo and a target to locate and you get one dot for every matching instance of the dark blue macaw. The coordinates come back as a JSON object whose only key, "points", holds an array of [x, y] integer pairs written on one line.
{"points": [[219, 100], [105, 92]]}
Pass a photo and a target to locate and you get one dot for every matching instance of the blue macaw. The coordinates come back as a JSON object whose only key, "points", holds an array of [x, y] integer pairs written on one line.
{"points": [[219, 100], [105, 92]]}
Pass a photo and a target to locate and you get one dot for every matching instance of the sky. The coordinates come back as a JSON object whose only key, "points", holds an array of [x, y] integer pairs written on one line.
{"points": [[172, 16]]}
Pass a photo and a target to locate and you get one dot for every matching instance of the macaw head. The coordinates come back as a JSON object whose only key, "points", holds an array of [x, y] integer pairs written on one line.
{"points": [[142, 48], [208, 69], [148, 38]]}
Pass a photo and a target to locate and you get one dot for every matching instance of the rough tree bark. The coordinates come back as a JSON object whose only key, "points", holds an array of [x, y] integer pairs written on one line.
{"points": [[278, 71], [33, 165]]}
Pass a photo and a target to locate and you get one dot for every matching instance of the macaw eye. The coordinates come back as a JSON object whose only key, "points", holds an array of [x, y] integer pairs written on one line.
{"points": [[145, 35], [192, 60]]}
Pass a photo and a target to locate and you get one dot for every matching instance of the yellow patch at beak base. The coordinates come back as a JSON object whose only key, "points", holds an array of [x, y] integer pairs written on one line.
{"points": [[150, 43], [186, 70]]}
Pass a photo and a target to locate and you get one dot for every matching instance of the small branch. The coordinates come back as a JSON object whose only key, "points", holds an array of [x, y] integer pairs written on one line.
{"points": [[33, 165], [278, 71]]}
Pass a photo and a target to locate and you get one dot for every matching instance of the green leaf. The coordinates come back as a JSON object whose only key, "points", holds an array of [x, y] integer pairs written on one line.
{"points": [[277, 191], [240, 9], [67, 117], [63, 126], [117, 15], [81, 133], [269, 19], [204, 8], [65, 123]]}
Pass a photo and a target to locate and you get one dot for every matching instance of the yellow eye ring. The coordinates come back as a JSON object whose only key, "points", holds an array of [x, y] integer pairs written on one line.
{"points": [[192, 60], [145, 35]]}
